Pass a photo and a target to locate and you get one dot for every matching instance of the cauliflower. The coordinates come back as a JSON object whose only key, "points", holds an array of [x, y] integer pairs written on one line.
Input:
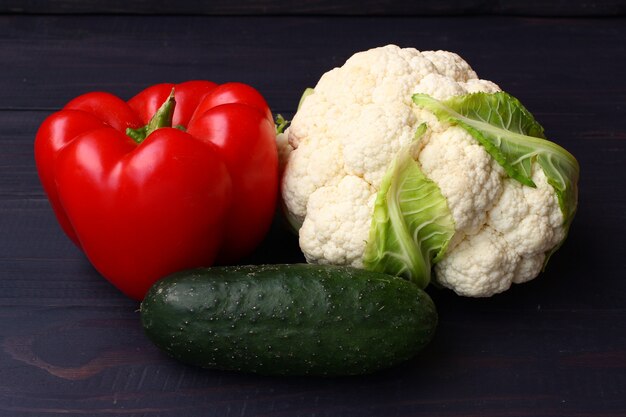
{"points": [[362, 189]]}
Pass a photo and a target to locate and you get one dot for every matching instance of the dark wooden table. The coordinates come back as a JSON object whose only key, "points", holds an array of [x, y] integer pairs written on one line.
{"points": [[71, 344]]}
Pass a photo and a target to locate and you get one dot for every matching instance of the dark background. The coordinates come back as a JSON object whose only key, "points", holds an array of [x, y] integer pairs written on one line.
{"points": [[71, 344]]}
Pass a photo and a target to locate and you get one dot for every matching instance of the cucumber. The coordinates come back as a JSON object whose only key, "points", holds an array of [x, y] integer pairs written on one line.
{"points": [[288, 319]]}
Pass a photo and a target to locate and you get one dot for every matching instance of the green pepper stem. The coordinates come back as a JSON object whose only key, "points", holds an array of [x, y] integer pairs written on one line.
{"points": [[162, 118]]}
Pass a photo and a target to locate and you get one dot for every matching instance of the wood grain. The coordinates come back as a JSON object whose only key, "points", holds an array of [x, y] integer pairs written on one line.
{"points": [[323, 7], [71, 344]]}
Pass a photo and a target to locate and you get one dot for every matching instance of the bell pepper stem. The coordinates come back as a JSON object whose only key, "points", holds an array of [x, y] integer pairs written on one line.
{"points": [[162, 118]]}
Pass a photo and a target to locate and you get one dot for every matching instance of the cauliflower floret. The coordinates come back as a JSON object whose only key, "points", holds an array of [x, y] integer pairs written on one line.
{"points": [[484, 86], [314, 164], [528, 218], [337, 224], [467, 176], [440, 87], [483, 264], [528, 268], [523, 224], [450, 65], [381, 132]]}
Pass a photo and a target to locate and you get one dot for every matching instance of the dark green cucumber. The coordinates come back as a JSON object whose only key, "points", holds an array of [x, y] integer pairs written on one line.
{"points": [[289, 319]]}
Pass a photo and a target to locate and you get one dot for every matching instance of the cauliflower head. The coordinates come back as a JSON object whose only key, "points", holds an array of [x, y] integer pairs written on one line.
{"points": [[350, 129]]}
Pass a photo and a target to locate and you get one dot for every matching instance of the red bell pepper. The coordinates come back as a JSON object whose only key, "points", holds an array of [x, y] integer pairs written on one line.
{"points": [[179, 176]]}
